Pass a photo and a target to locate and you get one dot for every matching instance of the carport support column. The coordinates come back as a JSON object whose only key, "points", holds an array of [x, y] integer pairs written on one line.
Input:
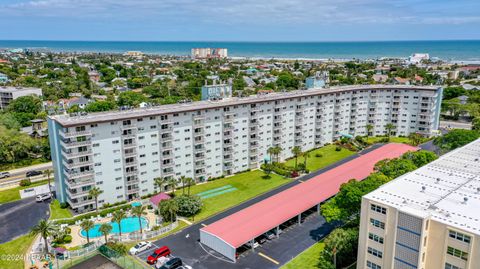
{"points": [[278, 231], [300, 219], [318, 209], [252, 242]]}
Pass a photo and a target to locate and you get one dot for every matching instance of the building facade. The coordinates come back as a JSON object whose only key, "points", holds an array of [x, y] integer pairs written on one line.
{"points": [[216, 91], [8, 94], [207, 53], [121, 152], [426, 219]]}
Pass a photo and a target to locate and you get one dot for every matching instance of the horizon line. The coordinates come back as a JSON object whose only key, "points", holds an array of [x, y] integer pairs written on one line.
{"points": [[243, 41]]}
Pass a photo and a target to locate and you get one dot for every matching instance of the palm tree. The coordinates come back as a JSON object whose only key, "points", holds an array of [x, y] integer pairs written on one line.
{"points": [[369, 129], [48, 172], [296, 151], [87, 225], [44, 228], [160, 182], [389, 127], [105, 229], [139, 211], [190, 182], [95, 192], [271, 152], [117, 217], [278, 150], [169, 206], [172, 183], [183, 180], [306, 155]]}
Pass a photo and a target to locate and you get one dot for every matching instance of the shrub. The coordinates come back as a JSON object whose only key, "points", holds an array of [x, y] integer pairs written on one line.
{"points": [[318, 155], [25, 182], [67, 239], [188, 205], [337, 148], [63, 205]]}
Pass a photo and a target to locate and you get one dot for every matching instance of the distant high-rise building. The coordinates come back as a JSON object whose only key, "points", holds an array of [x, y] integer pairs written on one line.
{"points": [[319, 80], [417, 58], [426, 219], [207, 53], [8, 94]]}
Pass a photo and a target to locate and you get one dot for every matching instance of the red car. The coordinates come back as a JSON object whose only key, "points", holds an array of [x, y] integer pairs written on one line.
{"points": [[160, 252]]}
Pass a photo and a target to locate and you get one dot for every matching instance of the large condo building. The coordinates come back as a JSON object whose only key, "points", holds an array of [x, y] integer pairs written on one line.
{"points": [[426, 219], [8, 94], [121, 152]]}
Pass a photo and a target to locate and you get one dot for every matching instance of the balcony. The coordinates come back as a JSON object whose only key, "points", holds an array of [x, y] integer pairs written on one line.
{"points": [[166, 130], [200, 157], [167, 146], [77, 183], [73, 144], [132, 181], [79, 175], [199, 165], [70, 155], [76, 164], [72, 193], [131, 173], [75, 133], [132, 153], [168, 165], [133, 190], [128, 127], [80, 203], [130, 145], [198, 149]]}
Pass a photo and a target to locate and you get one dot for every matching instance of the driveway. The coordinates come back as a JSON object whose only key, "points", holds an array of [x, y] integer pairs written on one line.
{"points": [[17, 218]]}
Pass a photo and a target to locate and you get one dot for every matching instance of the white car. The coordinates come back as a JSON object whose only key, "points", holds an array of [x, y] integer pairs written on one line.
{"points": [[161, 261], [255, 244], [140, 247], [43, 197]]}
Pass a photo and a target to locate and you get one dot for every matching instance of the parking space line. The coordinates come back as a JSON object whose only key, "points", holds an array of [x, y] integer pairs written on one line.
{"points": [[300, 180], [204, 225], [268, 258]]}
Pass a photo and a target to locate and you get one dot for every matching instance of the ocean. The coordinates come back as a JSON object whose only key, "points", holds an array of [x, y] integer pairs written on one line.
{"points": [[446, 50]]}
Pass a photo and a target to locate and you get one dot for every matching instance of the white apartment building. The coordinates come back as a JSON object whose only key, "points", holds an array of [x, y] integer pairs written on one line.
{"points": [[426, 219], [121, 152], [8, 94]]}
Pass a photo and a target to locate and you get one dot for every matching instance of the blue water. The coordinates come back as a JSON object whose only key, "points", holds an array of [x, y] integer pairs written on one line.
{"points": [[135, 204], [447, 50], [128, 225]]}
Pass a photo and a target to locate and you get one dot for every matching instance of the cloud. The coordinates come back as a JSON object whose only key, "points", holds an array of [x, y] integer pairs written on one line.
{"points": [[251, 12]]}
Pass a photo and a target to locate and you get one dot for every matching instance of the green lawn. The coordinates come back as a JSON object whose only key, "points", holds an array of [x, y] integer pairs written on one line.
{"points": [[13, 194], [329, 156], [393, 139], [248, 184], [308, 259], [14, 252], [58, 213]]}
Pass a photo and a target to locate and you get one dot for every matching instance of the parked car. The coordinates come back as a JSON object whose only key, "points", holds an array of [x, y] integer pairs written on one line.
{"points": [[271, 235], [255, 244], [160, 262], [4, 174], [159, 252], [33, 173], [261, 239], [142, 246], [43, 197], [172, 263]]}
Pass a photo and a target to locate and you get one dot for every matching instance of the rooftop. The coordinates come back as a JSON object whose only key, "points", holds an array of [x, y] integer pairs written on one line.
{"points": [[16, 89], [66, 120], [252, 221], [446, 190]]}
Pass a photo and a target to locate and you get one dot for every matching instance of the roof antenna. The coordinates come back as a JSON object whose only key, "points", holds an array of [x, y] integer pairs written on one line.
{"points": [[465, 200], [423, 188], [478, 189], [437, 180]]}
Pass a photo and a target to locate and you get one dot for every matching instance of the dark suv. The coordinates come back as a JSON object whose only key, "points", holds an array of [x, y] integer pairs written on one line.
{"points": [[33, 173]]}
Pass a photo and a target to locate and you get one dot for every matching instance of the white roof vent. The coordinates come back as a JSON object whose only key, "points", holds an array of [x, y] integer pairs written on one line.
{"points": [[423, 189], [465, 200], [437, 180]]}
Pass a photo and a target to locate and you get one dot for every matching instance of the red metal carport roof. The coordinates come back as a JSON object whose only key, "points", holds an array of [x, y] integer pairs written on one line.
{"points": [[244, 225]]}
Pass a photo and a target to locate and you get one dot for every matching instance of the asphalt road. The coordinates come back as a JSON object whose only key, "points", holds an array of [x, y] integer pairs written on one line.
{"points": [[185, 244], [18, 174], [17, 218]]}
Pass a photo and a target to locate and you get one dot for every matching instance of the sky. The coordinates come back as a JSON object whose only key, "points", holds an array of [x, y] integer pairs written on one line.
{"points": [[239, 20]]}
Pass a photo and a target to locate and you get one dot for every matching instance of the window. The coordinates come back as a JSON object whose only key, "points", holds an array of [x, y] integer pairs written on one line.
{"points": [[375, 238], [449, 266], [377, 223], [457, 253], [378, 209], [375, 252], [373, 265], [459, 236]]}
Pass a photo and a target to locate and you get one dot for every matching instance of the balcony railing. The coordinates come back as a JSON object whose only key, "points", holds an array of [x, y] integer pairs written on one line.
{"points": [[75, 154], [80, 203], [77, 164], [78, 175], [75, 133], [76, 183], [73, 144]]}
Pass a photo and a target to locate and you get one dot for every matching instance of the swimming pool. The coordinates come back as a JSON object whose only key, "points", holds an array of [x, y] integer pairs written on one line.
{"points": [[129, 225], [135, 204]]}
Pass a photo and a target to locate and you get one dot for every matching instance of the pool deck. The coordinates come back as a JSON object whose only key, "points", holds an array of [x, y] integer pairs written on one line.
{"points": [[78, 240]]}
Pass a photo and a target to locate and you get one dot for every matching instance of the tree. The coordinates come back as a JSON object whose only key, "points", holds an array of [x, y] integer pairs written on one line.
{"points": [[172, 183], [183, 180], [369, 129], [267, 169], [168, 209], [25, 109], [476, 124], [394, 168], [48, 173], [160, 183], [389, 127], [415, 139], [105, 229], [453, 92], [340, 248], [100, 106], [306, 155], [188, 205], [139, 211], [455, 138], [44, 228], [130, 99], [117, 217], [95, 192], [87, 225], [296, 151], [271, 152], [189, 182]]}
